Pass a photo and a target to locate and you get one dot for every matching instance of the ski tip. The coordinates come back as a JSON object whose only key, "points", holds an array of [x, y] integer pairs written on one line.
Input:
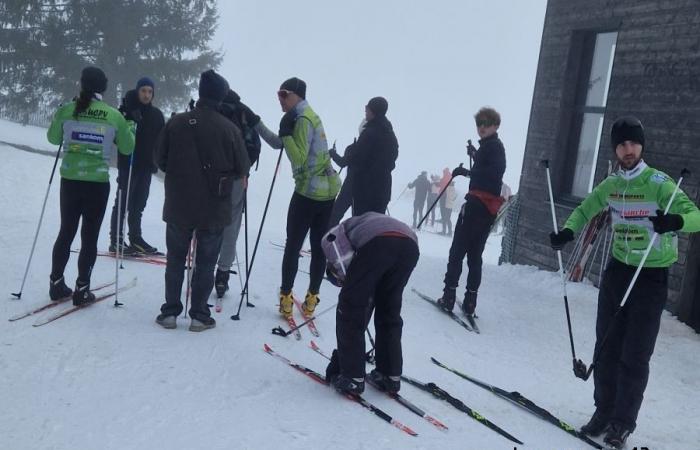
{"points": [[267, 348], [313, 345]]}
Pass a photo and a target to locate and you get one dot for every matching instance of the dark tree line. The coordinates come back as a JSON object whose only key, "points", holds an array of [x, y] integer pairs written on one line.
{"points": [[45, 44]]}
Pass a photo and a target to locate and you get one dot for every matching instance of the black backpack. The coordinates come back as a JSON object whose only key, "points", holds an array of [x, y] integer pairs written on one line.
{"points": [[250, 135]]}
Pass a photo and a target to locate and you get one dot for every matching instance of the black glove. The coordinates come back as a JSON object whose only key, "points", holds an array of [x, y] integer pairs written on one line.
{"points": [[558, 240], [333, 368], [460, 171], [251, 118], [287, 123], [663, 223]]}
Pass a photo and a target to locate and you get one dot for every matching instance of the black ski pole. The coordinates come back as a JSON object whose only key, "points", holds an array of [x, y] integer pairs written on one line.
{"points": [[577, 363], [585, 374], [18, 295], [436, 200], [279, 331], [237, 316], [469, 152], [245, 209]]}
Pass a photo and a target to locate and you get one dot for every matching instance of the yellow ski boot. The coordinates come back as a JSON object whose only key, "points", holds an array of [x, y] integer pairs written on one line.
{"points": [[309, 305], [286, 304]]}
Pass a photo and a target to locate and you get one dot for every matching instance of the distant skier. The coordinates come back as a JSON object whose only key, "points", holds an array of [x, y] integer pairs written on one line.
{"points": [[637, 196], [478, 212], [447, 202], [372, 257], [90, 131], [137, 106], [432, 196], [422, 186]]}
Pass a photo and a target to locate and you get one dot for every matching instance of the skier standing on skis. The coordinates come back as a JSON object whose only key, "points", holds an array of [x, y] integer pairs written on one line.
{"points": [[246, 120], [202, 153], [422, 186], [90, 131], [637, 196], [372, 257], [478, 212], [136, 106], [447, 203]]}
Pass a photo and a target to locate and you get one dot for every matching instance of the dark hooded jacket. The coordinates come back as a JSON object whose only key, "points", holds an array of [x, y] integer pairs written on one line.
{"points": [[422, 186], [149, 123]]}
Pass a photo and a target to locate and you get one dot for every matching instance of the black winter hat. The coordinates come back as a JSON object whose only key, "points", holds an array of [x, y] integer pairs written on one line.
{"points": [[626, 128], [295, 85], [378, 105], [212, 86], [232, 97], [93, 79]]}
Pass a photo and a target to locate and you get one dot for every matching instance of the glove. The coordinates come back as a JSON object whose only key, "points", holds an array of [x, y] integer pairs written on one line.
{"points": [[287, 123], [460, 171], [333, 152], [558, 240], [663, 223], [333, 368], [251, 118]]}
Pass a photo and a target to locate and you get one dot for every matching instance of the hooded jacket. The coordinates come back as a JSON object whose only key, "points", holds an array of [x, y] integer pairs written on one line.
{"points": [[149, 123]]}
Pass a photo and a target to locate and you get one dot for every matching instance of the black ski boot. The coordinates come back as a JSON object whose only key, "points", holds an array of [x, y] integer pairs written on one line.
{"points": [[616, 435], [124, 250], [469, 305], [384, 383], [348, 385], [221, 282], [447, 301], [58, 289], [82, 294], [597, 424], [141, 246]]}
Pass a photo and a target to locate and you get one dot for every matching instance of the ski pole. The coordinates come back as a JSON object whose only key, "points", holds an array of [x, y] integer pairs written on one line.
{"points": [[18, 295], [237, 316], [436, 200], [190, 268], [469, 145], [245, 209], [279, 331], [117, 261], [585, 374], [576, 363], [128, 193]]}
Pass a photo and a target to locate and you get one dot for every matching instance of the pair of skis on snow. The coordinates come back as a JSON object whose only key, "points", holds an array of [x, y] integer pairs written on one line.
{"points": [[470, 323], [158, 258], [294, 329], [99, 298]]}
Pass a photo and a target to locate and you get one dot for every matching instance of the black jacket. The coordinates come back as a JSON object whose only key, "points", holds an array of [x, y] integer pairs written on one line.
{"points": [[489, 166], [422, 185], [370, 161], [149, 123], [188, 200]]}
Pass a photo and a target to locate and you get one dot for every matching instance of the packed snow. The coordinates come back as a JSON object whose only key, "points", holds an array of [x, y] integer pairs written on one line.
{"points": [[110, 378]]}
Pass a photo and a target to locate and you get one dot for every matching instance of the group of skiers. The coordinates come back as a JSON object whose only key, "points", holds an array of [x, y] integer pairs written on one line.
{"points": [[427, 192], [206, 155]]}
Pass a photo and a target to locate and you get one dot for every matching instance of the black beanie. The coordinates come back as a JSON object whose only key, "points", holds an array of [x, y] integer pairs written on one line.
{"points": [[93, 79], [627, 128], [295, 85], [212, 86], [378, 105]]}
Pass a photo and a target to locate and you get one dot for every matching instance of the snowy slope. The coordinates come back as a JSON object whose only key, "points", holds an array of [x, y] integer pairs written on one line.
{"points": [[111, 379]]}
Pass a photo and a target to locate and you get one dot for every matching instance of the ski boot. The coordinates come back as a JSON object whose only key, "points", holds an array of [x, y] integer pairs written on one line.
{"points": [[347, 385], [447, 301], [221, 282], [286, 304], [616, 435], [309, 305], [58, 289], [141, 246], [167, 322], [597, 424], [384, 383], [198, 325], [469, 304], [124, 250], [82, 294]]}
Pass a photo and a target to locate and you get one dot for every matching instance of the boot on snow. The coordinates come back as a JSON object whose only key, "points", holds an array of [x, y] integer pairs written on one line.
{"points": [[286, 304], [82, 295], [221, 282], [58, 289], [447, 301], [309, 305]]}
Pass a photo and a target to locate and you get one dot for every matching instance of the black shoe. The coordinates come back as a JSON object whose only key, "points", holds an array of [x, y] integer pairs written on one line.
{"points": [[167, 322], [383, 382], [616, 435], [82, 294], [58, 289], [597, 424], [221, 282], [447, 301], [142, 246], [124, 250], [202, 324], [347, 385], [469, 304]]}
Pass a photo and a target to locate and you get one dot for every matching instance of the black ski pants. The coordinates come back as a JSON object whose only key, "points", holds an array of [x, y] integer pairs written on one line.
{"points": [[342, 203], [470, 235], [138, 196], [417, 213], [84, 200], [178, 240], [303, 216], [376, 278], [622, 370]]}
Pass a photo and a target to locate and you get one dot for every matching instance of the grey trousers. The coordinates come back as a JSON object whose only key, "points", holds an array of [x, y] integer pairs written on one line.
{"points": [[228, 246]]}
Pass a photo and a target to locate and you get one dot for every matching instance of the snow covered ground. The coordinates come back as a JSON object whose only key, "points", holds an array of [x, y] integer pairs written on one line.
{"points": [[111, 379]]}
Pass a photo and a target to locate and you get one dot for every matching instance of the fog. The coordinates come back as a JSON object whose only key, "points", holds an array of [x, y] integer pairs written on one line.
{"points": [[436, 63]]}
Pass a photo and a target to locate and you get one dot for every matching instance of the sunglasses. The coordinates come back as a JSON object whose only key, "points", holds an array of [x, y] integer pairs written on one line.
{"points": [[483, 123], [283, 93]]}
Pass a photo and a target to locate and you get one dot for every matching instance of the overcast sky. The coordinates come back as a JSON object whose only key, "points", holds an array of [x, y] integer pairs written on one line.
{"points": [[435, 62]]}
